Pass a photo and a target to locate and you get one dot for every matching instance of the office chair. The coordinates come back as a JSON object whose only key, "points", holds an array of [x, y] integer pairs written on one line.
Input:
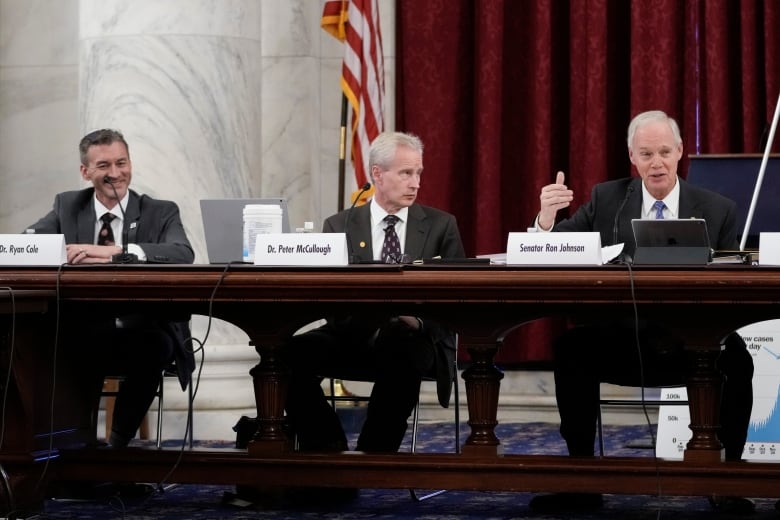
{"points": [[628, 402], [111, 388]]}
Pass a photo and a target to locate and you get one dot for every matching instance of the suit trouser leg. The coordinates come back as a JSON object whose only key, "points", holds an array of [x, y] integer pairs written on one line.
{"points": [[142, 355], [308, 357], [736, 406], [587, 356], [577, 388], [403, 358]]}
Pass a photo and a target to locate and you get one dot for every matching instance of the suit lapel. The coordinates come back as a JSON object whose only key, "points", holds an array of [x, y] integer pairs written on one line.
{"points": [[359, 233], [85, 221], [417, 229], [84, 211], [632, 210], [132, 215], [689, 206]]}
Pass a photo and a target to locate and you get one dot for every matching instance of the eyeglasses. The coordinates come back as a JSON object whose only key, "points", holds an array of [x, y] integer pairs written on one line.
{"points": [[399, 259]]}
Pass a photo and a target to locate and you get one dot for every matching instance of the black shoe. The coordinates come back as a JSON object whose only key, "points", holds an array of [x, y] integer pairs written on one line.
{"points": [[559, 502], [777, 505], [732, 505], [118, 441], [76, 490], [96, 491], [133, 490], [250, 496], [322, 496]]}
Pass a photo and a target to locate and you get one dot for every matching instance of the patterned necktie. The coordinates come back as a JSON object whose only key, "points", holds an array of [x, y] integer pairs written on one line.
{"points": [[106, 234], [391, 248], [659, 206]]}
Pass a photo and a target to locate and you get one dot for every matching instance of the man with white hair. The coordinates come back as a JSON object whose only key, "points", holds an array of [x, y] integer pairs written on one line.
{"points": [[586, 356]]}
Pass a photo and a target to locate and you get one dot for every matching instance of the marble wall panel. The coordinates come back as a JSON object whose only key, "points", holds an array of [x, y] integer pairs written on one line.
{"points": [[223, 18], [190, 110], [290, 27], [290, 133], [38, 107]]}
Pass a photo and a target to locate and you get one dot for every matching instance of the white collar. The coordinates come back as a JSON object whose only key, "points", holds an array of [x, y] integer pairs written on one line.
{"points": [[672, 200], [101, 210], [378, 213]]}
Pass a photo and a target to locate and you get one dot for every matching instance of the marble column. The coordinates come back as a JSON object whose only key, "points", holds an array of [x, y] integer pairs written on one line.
{"points": [[38, 108], [182, 79]]}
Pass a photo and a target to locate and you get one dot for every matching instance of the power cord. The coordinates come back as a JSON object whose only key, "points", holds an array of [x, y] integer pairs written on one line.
{"points": [[6, 388], [638, 344], [159, 487], [53, 376], [201, 348]]}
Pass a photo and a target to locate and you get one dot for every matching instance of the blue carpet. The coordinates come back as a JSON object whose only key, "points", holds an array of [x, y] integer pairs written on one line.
{"points": [[207, 502]]}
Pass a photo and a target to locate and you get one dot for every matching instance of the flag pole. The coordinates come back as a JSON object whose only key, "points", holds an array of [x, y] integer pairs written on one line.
{"points": [[337, 385], [342, 150], [760, 179]]}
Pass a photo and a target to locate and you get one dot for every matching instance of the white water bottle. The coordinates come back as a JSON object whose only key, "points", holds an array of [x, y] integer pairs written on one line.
{"points": [[258, 219]]}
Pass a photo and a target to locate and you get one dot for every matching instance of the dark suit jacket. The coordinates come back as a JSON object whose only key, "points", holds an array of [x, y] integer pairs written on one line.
{"points": [[429, 232], [155, 225], [598, 214]]}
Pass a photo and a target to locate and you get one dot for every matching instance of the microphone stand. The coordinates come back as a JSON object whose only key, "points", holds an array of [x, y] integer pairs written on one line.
{"points": [[124, 257], [760, 178], [623, 257]]}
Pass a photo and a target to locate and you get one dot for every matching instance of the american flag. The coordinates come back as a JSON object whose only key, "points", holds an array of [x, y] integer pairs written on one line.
{"points": [[356, 22]]}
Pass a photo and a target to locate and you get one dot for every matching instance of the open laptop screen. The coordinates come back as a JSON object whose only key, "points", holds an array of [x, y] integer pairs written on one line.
{"points": [[223, 226], [691, 232]]}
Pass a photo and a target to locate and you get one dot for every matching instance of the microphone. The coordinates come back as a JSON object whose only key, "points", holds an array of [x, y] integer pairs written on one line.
{"points": [[616, 225], [124, 257], [363, 189]]}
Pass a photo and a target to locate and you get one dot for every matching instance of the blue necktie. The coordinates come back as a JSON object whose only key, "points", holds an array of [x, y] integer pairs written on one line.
{"points": [[659, 206]]}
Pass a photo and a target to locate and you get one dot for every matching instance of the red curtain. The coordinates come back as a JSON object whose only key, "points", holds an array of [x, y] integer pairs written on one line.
{"points": [[504, 93]]}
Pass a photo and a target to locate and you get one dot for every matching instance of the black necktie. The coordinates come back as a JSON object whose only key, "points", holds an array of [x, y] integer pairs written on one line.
{"points": [[106, 234], [391, 248]]}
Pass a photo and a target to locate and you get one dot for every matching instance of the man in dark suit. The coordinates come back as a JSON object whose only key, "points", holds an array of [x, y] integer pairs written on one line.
{"points": [[395, 352], [588, 355], [136, 346]]}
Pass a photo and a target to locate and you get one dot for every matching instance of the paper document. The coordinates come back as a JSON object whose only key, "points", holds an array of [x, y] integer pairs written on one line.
{"points": [[608, 253]]}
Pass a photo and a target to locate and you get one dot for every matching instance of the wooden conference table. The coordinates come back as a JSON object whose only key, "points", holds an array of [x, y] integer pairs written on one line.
{"points": [[483, 303]]}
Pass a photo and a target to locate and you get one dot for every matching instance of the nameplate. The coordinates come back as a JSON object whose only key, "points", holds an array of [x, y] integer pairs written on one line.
{"points": [[328, 249], [769, 248], [32, 249], [554, 249]]}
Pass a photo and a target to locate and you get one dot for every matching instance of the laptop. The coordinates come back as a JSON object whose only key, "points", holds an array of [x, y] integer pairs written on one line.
{"points": [[671, 241], [223, 226]]}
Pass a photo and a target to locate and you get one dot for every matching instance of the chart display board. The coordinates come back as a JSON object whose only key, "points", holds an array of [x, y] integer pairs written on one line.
{"points": [[763, 441]]}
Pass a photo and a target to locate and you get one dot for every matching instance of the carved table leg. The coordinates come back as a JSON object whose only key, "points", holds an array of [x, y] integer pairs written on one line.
{"points": [[704, 390], [483, 381], [270, 383]]}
